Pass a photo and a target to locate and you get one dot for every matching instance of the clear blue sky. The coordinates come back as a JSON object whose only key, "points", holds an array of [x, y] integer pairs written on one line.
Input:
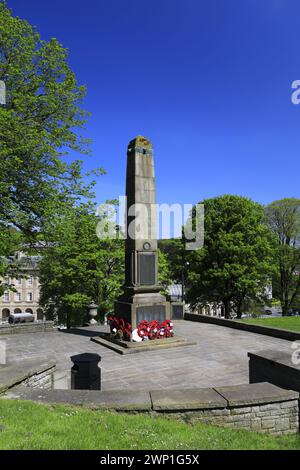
{"points": [[208, 81]]}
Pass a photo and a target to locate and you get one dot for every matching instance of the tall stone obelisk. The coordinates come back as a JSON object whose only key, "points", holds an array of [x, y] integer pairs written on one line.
{"points": [[141, 299]]}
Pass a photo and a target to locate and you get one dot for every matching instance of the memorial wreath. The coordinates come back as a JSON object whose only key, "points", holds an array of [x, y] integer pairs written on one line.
{"points": [[122, 329]]}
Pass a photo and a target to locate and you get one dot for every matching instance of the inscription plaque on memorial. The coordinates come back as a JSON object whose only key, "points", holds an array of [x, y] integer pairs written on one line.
{"points": [[148, 312], [146, 268]]}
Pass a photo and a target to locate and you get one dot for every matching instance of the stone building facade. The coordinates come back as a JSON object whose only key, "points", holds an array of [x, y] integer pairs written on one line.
{"points": [[26, 286]]}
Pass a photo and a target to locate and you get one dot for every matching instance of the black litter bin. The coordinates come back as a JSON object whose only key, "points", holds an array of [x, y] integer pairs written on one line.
{"points": [[85, 374]]}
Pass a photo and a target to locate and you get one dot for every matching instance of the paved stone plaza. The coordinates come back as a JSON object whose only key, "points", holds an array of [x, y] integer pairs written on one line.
{"points": [[219, 357]]}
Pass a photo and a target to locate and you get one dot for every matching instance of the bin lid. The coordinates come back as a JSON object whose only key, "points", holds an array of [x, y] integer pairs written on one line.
{"points": [[86, 357]]}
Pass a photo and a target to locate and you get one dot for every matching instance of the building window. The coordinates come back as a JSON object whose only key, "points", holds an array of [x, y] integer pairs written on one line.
{"points": [[29, 297], [19, 281], [18, 297], [6, 297], [30, 280]]}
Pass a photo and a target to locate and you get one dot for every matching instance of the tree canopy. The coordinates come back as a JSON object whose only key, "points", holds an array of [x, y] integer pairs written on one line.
{"points": [[174, 251], [284, 220], [78, 268], [38, 125], [235, 263]]}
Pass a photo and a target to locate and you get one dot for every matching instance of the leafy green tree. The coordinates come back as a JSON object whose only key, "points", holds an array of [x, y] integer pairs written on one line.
{"points": [[78, 268], [284, 220], [174, 252], [39, 124], [164, 275], [235, 263]]}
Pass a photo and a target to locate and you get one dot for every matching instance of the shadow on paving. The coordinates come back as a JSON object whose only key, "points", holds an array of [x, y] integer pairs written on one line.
{"points": [[81, 332]]}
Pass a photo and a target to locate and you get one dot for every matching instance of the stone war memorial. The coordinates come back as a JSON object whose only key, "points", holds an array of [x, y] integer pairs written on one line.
{"points": [[141, 299], [141, 305]]}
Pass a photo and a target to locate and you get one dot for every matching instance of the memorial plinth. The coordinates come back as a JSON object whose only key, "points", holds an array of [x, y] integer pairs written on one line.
{"points": [[141, 299]]}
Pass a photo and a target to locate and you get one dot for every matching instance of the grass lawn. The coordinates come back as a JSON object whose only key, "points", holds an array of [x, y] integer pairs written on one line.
{"points": [[285, 323], [28, 425]]}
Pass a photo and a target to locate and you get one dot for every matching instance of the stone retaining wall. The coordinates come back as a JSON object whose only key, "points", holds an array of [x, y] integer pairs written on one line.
{"points": [[261, 407], [277, 367], [239, 325], [34, 327], [273, 418], [31, 373], [41, 380]]}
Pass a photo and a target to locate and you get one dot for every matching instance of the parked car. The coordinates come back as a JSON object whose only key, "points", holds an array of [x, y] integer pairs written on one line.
{"points": [[268, 311]]}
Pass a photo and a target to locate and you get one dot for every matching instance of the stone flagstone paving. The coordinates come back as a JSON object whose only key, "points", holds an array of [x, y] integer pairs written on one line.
{"points": [[219, 357]]}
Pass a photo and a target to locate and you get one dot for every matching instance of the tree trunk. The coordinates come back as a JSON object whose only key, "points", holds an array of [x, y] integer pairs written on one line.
{"points": [[239, 308], [285, 304], [68, 320], [227, 308], [285, 309]]}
